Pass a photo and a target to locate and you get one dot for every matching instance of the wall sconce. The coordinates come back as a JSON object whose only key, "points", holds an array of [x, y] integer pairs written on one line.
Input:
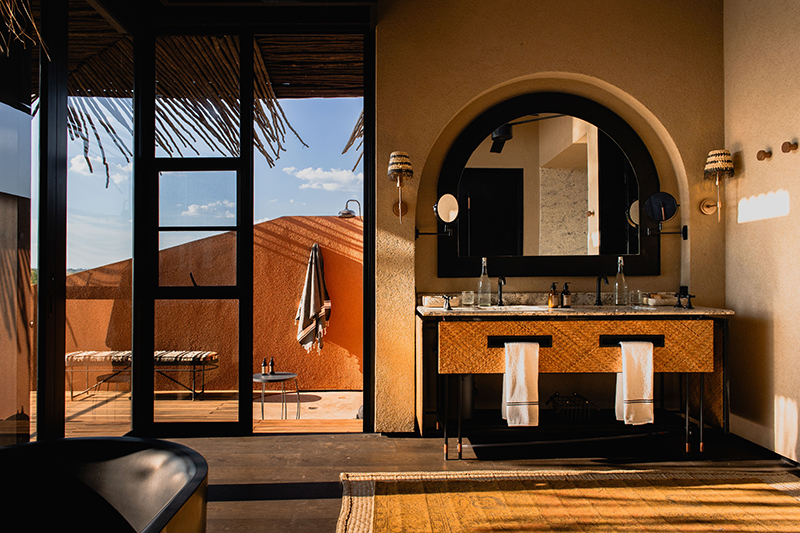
{"points": [[399, 170], [349, 213], [719, 166]]}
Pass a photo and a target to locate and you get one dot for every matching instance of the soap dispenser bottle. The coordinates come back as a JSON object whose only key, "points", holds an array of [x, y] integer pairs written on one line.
{"points": [[484, 286], [552, 298], [620, 285], [566, 296]]}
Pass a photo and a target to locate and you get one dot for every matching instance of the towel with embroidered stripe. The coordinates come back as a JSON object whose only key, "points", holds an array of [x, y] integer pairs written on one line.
{"points": [[520, 406], [634, 400]]}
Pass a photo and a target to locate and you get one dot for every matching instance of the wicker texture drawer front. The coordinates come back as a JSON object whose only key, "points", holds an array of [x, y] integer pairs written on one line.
{"points": [[688, 345]]}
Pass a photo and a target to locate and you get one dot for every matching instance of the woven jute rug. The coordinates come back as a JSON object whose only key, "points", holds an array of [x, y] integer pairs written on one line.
{"points": [[549, 500]]}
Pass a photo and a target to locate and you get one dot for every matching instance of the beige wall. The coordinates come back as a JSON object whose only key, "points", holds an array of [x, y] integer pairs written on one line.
{"points": [[440, 64], [762, 111]]}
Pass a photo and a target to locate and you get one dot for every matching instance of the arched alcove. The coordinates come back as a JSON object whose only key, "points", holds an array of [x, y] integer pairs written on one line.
{"points": [[661, 147]]}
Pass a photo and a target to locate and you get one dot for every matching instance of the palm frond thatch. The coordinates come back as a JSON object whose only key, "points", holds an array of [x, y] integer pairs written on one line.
{"points": [[356, 135], [18, 25], [197, 99]]}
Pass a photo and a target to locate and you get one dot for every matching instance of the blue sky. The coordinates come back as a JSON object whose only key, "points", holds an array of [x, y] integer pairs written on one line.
{"points": [[313, 180]]}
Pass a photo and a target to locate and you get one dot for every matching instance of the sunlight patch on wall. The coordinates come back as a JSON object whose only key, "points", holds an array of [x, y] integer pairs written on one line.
{"points": [[786, 427], [773, 204]]}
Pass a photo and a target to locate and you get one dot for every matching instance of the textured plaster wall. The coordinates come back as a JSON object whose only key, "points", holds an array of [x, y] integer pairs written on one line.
{"points": [[99, 316], [563, 211], [440, 64], [762, 111]]}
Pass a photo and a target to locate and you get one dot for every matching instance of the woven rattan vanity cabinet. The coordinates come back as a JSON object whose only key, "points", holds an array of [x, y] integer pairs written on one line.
{"points": [[580, 340]]}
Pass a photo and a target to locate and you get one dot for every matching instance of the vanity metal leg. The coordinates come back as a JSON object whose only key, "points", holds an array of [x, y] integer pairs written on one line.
{"points": [[702, 393], [726, 391], [686, 406], [446, 380], [460, 407]]}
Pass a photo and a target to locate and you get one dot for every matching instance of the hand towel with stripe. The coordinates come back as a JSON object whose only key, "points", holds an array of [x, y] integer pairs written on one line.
{"points": [[520, 405], [634, 400]]}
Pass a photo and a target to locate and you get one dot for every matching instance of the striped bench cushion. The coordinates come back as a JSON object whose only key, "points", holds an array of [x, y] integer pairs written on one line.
{"points": [[124, 358]]}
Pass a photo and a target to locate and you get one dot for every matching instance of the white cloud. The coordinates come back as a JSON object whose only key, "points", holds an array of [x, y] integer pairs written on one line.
{"points": [[119, 173], [218, 209], [334, 179]]}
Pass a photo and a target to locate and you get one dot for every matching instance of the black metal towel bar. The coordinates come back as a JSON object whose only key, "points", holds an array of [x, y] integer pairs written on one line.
{"points": [[611, 341], [499, 341]]}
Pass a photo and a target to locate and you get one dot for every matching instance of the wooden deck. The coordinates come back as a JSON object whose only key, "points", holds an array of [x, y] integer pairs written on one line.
{"points": [[108, 412]]}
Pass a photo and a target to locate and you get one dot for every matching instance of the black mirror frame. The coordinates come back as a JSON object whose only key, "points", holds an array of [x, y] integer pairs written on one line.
{"points": [[647, 262]]}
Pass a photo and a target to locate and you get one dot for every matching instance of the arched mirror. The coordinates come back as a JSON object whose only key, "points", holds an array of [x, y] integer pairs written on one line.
{"points": [[548, 184]]}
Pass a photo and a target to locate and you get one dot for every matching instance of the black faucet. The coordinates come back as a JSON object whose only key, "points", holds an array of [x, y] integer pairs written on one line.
{"points": [[500, 282], [598, 300]]}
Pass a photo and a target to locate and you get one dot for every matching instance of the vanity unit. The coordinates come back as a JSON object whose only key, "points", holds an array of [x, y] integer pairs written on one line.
{"points": [[462, 341]]}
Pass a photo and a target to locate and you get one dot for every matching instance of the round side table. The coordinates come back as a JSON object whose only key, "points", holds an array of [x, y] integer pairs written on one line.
{"points": [[282, 378]]}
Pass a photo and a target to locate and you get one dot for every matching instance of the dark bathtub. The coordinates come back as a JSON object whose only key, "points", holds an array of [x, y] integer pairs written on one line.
{"points": [[112, 484]]}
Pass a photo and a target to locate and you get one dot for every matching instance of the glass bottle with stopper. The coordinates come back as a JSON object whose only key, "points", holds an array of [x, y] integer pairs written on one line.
{"points": [[484, 286], [620, 285]]}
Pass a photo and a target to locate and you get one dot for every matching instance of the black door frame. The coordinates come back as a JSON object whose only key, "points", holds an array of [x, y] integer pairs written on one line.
{"points": [[353, 18]]}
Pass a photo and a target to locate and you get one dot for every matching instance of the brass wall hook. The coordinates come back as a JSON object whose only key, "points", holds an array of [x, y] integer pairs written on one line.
{"points": [[763, 154], [788, 146]]}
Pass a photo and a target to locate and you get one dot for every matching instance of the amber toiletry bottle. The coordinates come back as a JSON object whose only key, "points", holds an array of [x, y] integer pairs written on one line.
{"points": [[271, 366], [552, 298], [566, 296], [264, 366]]}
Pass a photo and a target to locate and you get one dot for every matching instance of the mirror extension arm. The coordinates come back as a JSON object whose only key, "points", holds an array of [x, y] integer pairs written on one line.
{"points": [[448, 232]]}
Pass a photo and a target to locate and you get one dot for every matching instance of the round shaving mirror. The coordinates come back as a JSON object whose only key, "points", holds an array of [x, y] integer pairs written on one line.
{"points": [[446, 208], [633, 214], [660, 207]]}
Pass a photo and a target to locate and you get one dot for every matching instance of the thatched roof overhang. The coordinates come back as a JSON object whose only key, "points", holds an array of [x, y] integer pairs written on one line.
{"points": [[291, 62]]}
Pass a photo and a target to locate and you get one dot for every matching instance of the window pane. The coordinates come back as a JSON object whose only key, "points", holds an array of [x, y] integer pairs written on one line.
{"points": [[197, 99], [200, 258], [197, 199], [197, 360]]}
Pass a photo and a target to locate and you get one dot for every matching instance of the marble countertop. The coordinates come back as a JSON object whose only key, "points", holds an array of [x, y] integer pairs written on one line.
{"points": [[597, 311]]}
